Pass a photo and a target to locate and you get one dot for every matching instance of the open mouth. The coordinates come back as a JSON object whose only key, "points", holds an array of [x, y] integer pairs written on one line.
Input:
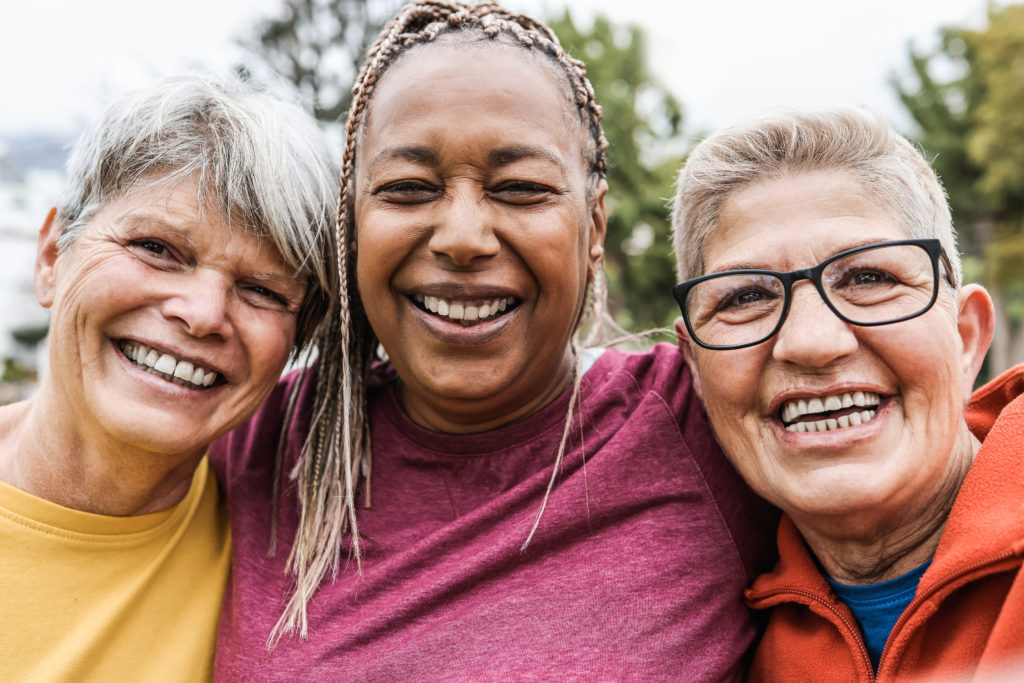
{"points": [[167, 367], [824, 414], [466, 312]]}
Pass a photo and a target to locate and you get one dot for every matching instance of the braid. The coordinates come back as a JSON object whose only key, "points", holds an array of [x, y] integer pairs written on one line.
{"points": [[337, 451]]}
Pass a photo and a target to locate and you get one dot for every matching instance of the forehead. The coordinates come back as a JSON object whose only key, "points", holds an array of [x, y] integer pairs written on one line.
{"points": [[797, 220], [436, 89]]}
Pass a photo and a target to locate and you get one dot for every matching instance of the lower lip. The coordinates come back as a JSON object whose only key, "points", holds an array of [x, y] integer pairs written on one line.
{"points": [[455, 333], [836, 437], [159, 383]]}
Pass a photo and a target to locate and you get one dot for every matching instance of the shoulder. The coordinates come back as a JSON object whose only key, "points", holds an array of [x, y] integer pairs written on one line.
{"points": [[254, 442], [657, 372]]}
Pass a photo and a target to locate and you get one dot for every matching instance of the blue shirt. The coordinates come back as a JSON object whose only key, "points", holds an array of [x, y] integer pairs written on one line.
{"points": [[878, 606]]}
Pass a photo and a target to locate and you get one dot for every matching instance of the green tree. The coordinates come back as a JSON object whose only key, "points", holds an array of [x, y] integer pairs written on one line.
{"points": [[318, 46], [971, 124], [643, 124]]}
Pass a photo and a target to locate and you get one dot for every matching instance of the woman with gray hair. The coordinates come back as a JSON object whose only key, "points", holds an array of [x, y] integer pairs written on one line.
{"points": [[835, 347], [184, 263]]}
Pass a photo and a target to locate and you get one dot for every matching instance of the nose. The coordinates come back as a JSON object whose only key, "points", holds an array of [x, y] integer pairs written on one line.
{"points": [[812, 335], [200, 304], [464, 231]]}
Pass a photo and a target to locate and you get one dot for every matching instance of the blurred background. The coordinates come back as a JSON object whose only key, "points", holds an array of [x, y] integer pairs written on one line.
{"points": [[947, 73]]}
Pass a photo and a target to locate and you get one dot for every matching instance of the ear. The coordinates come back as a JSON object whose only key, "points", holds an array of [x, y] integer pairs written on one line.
{"points": [[975, 324], [598, 221], [46, 259], [686, 348]]}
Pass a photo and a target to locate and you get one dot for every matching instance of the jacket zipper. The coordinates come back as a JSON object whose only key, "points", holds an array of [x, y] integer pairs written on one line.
{"points": [[936, 586], [852, 628], [914, 604]]}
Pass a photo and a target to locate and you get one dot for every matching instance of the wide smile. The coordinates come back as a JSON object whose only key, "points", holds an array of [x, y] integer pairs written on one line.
{"points": [[466, 312], [828, 413], [167, 367]]}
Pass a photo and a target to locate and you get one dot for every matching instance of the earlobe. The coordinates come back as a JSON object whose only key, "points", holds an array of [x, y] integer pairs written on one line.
{"points": [[685, 347], [975, 323], [598, 221], [46, 259]]}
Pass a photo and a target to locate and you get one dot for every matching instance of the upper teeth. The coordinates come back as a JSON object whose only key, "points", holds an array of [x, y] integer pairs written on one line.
{"points": [[166, 364], [458, 310], [792, 410]]}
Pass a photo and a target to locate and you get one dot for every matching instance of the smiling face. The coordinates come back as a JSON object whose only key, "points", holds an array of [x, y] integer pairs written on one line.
{"points": [[168, 327], [476, 235], [895, 393]]}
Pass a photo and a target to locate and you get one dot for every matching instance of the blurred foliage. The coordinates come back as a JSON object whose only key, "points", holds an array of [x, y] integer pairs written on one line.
{"points": [[643, 123], [971, 124], [12, 371], [318, 46]]}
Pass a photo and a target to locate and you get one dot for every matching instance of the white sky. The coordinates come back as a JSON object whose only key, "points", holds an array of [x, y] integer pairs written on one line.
{"points": [[61, 60]]}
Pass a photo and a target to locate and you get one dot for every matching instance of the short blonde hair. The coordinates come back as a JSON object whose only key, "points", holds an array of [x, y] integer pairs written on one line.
{"points": [[784, 142]]}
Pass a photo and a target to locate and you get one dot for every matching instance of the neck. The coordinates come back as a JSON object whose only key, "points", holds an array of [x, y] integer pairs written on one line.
{"points": [[861, 548], [45, 454], [474, 415]]}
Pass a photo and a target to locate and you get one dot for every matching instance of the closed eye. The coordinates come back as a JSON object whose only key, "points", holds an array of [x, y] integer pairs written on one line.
{"points": [[407, 192], [521, 192]]}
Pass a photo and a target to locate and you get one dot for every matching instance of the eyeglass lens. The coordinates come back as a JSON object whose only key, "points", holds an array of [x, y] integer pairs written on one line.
{"points": [[873, 286]]}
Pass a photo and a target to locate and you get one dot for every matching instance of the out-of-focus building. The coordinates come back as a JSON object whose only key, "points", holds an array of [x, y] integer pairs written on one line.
{"points": [[26, 194]]}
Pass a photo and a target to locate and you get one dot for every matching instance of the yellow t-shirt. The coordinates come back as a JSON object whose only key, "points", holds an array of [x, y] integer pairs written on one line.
{"points": [[87, 597]]}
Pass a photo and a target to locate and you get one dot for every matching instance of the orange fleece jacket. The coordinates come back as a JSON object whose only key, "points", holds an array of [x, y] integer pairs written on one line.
{"points": [[967, 618]]}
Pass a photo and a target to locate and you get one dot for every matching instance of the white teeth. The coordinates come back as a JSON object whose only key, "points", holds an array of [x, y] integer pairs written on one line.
{"points": [[463, 311], [165, 364], [184, 372], [797, 408]]}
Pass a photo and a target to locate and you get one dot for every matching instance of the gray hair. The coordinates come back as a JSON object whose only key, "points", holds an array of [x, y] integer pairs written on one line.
{"points": [[783, 142], [258, 156]]}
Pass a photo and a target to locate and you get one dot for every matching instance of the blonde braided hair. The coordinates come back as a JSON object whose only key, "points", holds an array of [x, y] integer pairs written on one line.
{"points": [[337, 451]]}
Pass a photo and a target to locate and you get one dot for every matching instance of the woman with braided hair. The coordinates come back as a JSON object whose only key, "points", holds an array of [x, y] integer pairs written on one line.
{"points": [[538, 510]]}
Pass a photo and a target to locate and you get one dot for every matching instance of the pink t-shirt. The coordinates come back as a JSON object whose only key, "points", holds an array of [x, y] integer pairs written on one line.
{"points": [[635, 573]]}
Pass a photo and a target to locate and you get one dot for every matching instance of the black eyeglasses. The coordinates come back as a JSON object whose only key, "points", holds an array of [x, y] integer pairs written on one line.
{"points": [[877, 284]]}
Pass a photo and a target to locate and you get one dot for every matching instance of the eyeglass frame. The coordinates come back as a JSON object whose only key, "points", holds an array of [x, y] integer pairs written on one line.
{"points": [[931, 245]]}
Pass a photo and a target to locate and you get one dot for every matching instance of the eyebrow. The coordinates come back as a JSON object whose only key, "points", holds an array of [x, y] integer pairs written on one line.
{"points": [[748, 265], [416, 154], [138, 220], [504, 156]]}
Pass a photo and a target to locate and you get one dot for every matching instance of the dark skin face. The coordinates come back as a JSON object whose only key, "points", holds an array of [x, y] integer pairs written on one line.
{"points": [[477, 235]]}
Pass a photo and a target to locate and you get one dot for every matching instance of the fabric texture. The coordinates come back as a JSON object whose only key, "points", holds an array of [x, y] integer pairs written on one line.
{"points": [[877, 606], [967, 618], [96, 598], [636, 571]]}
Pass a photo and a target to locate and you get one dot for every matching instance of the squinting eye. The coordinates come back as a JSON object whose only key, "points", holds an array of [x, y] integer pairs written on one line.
{"points": [[151, 247], [407, 192], [866, 278], [268, 294], [521, 192], [746, 297]]}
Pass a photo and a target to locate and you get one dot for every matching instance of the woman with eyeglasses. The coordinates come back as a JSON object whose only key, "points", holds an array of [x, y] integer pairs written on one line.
{"points": [[835, 347]]}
